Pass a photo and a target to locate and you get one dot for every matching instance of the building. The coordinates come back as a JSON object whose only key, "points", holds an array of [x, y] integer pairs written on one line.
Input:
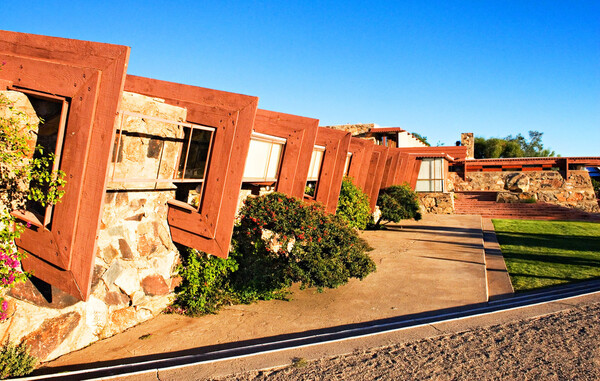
{"points": [[154, 166]]}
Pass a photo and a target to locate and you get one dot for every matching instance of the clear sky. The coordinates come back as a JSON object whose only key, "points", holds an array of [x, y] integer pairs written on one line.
{"points": [[438, 68]]}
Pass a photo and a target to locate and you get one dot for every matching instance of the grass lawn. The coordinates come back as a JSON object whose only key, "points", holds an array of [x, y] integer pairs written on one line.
{"points": [[547, 253]]}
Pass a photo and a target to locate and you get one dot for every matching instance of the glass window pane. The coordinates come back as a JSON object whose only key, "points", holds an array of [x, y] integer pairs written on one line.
{"points": [[276, 151], [256, 162], [424, 172], [438, 169], [197, 154], [423, 186], [315, 165]]}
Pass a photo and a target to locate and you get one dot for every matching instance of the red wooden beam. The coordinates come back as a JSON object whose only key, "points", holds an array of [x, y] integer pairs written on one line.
{"points": [[336, 145], [209, 228], [376, 170], [414, 173], [391, 167], [361, 150], [456, 152], [300, 134], [403, 174], [91, 74]]}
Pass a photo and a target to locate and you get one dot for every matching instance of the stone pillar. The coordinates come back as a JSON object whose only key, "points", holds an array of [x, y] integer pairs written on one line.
{"points": [[467, 140]]}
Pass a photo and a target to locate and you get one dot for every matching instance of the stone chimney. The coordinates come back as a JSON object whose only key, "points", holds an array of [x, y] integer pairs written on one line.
{"points": [[467, 140]]}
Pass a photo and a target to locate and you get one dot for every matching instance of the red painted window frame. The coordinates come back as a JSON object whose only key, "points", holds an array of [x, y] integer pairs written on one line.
{"points": [[400, 168], [300, 134], [336, 145], [91, 75], [209, 229], [361, 150], [392, 166], [376, 170]]}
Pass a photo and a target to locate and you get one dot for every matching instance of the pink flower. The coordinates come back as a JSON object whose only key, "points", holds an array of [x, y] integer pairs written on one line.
{"points": [[4, 305], [28, 224]]}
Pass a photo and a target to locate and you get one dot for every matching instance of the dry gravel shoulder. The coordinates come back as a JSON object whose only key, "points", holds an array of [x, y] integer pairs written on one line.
{"points": [[559, 346]]}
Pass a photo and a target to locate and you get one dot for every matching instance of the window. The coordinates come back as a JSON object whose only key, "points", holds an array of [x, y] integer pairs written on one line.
{"points": [[87, 78], [298, 133], [314, 169], [431, 176], [151, 152], [315, 163], [52, 112], [209, 225], [264, 158]]}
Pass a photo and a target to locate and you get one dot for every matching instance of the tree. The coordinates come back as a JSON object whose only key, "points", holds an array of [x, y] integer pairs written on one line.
{"points": [[511, 146], [422, 138], [396, 203]]}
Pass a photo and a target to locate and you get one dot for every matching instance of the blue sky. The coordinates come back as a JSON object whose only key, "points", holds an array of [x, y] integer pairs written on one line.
{"points": [[438, 68]]}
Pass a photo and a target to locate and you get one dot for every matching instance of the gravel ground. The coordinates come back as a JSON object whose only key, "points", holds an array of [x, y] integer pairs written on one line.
{"points": [[558, 346]]}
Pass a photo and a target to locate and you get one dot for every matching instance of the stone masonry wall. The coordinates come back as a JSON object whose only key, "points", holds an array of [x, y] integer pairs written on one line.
{"points": [[545, 186], [134, 273], [354, 129], [436, 202]]}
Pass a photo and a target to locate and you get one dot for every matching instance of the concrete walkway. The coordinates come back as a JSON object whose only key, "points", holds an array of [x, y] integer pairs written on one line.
{"points": [[498, 280], [436, 263]]}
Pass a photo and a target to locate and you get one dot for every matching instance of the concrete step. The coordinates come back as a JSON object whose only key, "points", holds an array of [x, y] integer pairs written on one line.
{"points": [[485, 205]]}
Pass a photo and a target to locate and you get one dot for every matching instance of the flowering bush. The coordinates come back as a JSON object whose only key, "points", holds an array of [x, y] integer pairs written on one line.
{"points": [[24, 177], [10, 274], [278, 240], [281, 240]]}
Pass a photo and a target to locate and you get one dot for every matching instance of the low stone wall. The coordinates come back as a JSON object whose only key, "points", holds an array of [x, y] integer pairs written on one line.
{"points": [[135, 264], [545, 186], [436, 203]]}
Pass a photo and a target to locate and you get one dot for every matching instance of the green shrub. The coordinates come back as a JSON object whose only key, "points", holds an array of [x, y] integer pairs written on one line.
{"points": [[310, 189], [596, 185], [204, 286], [529, 200], [281, 240], [15, 361], [398, 203], [353, 205]]}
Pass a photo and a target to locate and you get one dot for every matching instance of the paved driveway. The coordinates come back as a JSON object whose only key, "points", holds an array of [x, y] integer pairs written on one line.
{"points": [[432, 264]]}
